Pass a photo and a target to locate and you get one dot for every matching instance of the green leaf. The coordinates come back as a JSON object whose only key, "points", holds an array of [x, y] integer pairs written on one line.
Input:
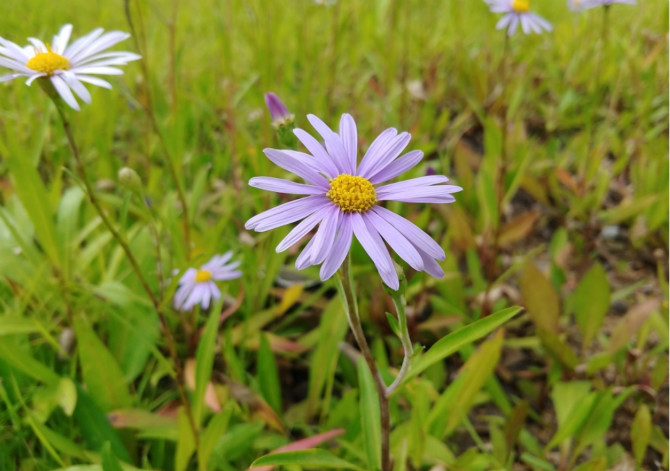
{"points": [[370, 416], [460, 338], [460, 396], [34, 197], [215, 429], [94, 426], [268, 375], [204, 360], [316, 458], [109, 461], [13, 325], [393, 323], [332, 329], [186, 441], [20, 359], [640, 433], [591, 302], [541, 300], [102, 374]]}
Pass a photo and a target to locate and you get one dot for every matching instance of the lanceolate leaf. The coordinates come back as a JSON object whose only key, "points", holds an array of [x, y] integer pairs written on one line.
{"points": [[316, 458], [458, 339], [591, 302]]}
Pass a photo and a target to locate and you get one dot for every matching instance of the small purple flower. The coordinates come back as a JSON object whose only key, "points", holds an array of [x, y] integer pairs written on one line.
{"points": [[343, 199], [278, 112], [198, 287], [518, 12]]}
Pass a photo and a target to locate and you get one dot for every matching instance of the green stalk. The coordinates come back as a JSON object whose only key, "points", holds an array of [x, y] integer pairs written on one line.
{"points": [[351, 307], [81, 170]]}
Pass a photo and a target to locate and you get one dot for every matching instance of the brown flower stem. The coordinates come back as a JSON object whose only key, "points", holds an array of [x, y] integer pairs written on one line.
{"points": [[81, 170], [351, 307]]}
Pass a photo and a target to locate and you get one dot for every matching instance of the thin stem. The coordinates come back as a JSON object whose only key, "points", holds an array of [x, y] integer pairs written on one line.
{"points": [[351, 307], [403, 335], [133, 262], [147, 105], [500, 183]]}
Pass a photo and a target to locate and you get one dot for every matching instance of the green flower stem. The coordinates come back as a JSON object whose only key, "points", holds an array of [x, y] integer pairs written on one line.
{"points": [[351, 307], [403, 335], [131, 258]]}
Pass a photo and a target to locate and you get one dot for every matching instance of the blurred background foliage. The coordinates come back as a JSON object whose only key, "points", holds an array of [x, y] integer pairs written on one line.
{"points": [[560, 142]]}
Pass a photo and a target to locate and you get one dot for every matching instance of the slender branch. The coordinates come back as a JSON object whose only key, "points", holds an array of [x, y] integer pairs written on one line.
{"points": [[403, 335], [500, 183], [351, 307], [131, 258], [147, 105]]}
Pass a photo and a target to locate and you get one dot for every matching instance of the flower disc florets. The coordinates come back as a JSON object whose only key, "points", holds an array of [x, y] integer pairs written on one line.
{"points": [[352, 193], [521, 6], [48, 62], [203, 276]]}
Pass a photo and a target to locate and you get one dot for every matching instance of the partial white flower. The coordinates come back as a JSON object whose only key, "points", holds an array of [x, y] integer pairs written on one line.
{"points": [[197, 286], [67, 66]]}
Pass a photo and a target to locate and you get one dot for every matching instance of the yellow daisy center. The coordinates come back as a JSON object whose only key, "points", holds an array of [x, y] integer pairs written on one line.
{"points": [[48, 62], [521, 6], [352, 193], [202, 276]]}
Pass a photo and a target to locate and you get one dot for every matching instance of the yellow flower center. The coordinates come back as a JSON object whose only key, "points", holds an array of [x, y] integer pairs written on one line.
{"points": [[48, 62], [202, 276], [521, 6], [352, 193]]}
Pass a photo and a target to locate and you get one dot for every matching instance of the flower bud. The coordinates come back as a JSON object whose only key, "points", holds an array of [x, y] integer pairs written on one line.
{"points": [[280, 114], [130, 180]]}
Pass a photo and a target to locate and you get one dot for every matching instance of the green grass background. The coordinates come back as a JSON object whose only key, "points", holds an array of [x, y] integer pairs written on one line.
{"points": [[579, 380]]}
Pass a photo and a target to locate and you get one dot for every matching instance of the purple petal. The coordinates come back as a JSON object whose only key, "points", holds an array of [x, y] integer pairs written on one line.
{"points": [[293, 163], [395, 239], [525, 24], [388, 153], [323, 239], [419, 238], [276, 107], [299, 231], [287, 213], [419, 190], [279, 185], [319, 165], [398, 167], [374, 246], [316, 149], [349, 137], [373, 151], [431, 266], [340, 248], [333, 143], [304, 259]]}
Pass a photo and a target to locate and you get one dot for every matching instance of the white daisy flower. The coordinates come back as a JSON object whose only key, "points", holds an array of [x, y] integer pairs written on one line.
{"points": [[198, 287], [67, 66]]}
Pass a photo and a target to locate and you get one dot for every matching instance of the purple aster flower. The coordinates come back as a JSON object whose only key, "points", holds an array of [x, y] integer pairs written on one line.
{"points": [[278, 111], [198, 287], [344, 200], [518, 12]]}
